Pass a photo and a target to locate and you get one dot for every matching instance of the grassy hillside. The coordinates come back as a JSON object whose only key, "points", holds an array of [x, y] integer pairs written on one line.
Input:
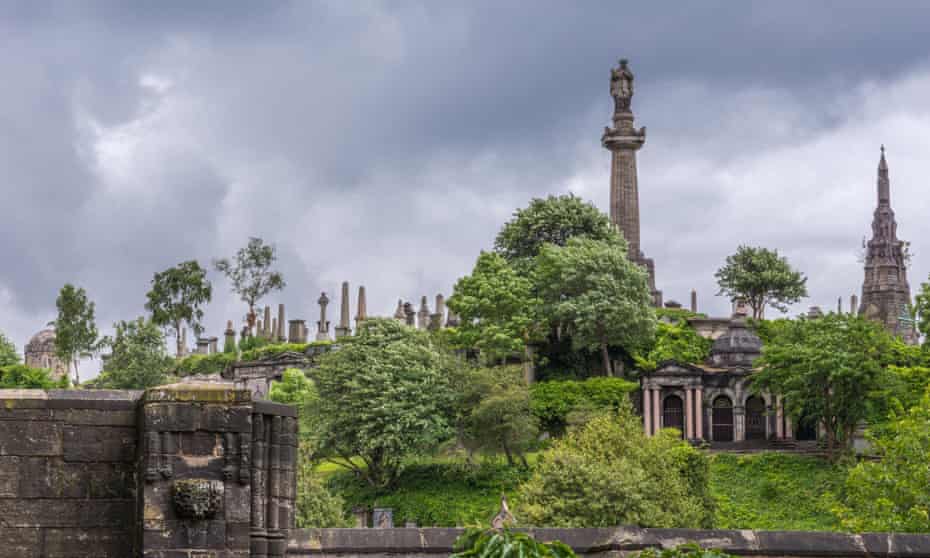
{"points": [[774, 491], [762, 491]]}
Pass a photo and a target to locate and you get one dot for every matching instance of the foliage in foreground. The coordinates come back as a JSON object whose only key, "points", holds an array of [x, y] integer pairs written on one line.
{"points": [[774, 491], [20, 376], [690, 550], [385, 395], [8, 354], [493, 543], [138, 359], [893, 493], [552, 402], [610, 473]]}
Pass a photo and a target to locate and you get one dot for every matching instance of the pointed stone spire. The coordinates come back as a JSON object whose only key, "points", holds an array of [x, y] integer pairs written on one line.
{"points": [[322, 325], [884, 185], [342, 329], [400, 314], [362, 313]]}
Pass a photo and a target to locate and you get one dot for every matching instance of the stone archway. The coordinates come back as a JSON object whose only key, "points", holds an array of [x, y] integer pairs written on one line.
{"points": [[755, 418], [673, 413], [722, 419]]}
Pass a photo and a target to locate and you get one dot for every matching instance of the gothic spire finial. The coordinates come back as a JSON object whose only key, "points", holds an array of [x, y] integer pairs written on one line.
{"points": [[884, 185]]}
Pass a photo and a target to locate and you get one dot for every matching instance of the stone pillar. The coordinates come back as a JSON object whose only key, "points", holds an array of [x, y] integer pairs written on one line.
{"points": [[779, 416], [656, 409], [229, 338], [296, 331], [203, 346], [362, 313], [789, 429], [410, 316], [435, 319], [689, 414], [739, 424], [839, 305], [279, 332], [342, 330], [322, 325], [192, 501], [854, 304], [213, 345], [423, 314], [694, 301], [400, 314], [647, 410], [699, 415], [266, 333]]}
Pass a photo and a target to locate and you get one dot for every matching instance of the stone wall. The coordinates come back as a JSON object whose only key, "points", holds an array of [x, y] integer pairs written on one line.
{"points": [[613, 542], [67, 473]]}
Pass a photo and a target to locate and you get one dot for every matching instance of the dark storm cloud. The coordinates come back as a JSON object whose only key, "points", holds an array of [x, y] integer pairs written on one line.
{"points": [[384, 143]]}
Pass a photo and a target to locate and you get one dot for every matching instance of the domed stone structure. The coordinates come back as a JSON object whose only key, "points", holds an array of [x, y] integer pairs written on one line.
{"points": [[738, 347], [40, 353]]}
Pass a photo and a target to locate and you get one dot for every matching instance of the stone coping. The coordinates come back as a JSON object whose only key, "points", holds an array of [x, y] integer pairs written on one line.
{"points": [[101, 399], [272, 408], [198, 392], [439, 541]]}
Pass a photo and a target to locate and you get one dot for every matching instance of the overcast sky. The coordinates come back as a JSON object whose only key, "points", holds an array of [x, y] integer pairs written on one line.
{"points": [[385, 143]]}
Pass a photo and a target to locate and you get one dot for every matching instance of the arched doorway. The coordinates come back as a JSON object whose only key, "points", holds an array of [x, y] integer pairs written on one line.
{"points": [[722, 419], [673, 415], [755, 418]]}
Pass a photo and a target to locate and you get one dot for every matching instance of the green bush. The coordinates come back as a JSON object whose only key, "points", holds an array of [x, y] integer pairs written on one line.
{"points": [[492, 543], [679, 342], [553, 401], [20, 376], [611, 473], [253, 342], [689, 550], [274, 349], [204, 364]]}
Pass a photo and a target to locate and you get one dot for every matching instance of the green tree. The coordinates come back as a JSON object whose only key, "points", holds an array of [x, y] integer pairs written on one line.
{"points": [[497, 310], [251, 274], [76, 334], [496, 414], [383, 396], [679, 342], [8, 354], [828, 369], [296, 389], [552, 220], [892, 494], [19, 376], [138, 359], [762, 278], [610, 473], [922, 310], [597, 295], [176, 297]]}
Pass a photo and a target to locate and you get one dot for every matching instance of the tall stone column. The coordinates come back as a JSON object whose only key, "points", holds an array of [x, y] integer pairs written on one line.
{"points": [[623, 140], [739, 424], [362, 313], [779, 418], [647, 410], [266, 332], [323, 324], [400, 314], [699, 419], [279, 334], [656, 410], [423, 315], [342, 330], [689, 414]]}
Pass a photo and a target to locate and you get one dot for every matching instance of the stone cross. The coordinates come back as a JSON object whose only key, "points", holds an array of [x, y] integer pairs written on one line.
{"points": [[342, 330], [322, 325], [362, 313]]}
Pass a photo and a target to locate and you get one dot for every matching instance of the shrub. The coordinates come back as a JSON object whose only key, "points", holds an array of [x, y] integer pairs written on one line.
{"points": [[253, 342], [689, 550], [269, 350], [610, 473], [20, 376], [492, 543], [679, 342], [552, 401], [204, 364]]}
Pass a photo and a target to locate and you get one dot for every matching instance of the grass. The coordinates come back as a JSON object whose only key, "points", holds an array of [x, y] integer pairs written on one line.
{"points": [[773, 491]]}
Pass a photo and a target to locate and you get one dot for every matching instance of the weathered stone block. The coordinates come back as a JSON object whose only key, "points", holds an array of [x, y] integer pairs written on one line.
{"points": [[95, 417], [49, 513], [202, 443], [30, 438], [227, 419], [20, 543], [88, 543], [17, 413], [171, 417], [103, 443]]}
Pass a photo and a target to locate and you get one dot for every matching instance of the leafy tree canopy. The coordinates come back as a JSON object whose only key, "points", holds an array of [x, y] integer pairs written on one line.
{"points": [[922, 310], [597, 295], [762, 278], [892, 494], [497, 309], [250, 273], [176, 297], [8, 354], [138, 359], [829, 369], [383, 396], [18, 376], [76, 333], [552, 402], [610, 473], [552, 220], [679, 342]]}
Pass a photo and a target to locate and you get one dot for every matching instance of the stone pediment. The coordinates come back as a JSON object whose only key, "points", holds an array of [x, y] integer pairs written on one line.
{"points": [[676, 368]]}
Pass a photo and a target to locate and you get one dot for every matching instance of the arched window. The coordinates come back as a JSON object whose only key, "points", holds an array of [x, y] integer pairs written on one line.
{"points": [[722, 419]]}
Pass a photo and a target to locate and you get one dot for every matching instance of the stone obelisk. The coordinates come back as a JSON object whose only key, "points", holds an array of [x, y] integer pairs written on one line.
{"points": [[623, 140], [362, 313], [342, 330]]}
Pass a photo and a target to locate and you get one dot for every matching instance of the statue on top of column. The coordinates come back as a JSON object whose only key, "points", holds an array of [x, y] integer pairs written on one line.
{"points": [[621, 86]]}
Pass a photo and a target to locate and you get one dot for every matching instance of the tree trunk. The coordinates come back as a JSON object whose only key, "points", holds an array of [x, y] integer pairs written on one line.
{"points": [[605, 355], [507, 452]]}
